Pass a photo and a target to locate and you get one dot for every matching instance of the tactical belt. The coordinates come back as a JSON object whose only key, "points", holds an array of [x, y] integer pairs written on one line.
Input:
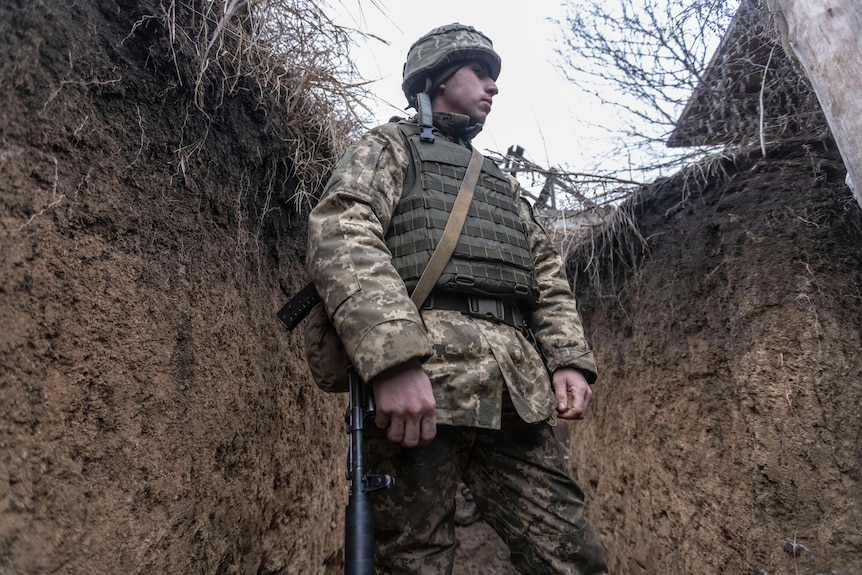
{"points": [[484, 307]]}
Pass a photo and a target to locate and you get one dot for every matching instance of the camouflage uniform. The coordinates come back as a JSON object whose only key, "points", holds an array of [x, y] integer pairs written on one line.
{"points": [[470, 361], [519, 481], [495, 402]]}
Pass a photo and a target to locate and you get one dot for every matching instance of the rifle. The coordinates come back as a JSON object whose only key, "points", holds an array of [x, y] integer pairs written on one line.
{"points": [[358, 515]]}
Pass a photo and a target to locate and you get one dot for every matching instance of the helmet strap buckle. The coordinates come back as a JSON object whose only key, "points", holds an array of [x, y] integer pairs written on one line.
{"points": [[423, 106]]}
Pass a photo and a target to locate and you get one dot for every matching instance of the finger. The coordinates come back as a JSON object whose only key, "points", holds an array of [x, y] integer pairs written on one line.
{"points": [[395, 433], [428, 429], [562, 395], [411, 434], [381, 420], [588, 394], [580, 399]]}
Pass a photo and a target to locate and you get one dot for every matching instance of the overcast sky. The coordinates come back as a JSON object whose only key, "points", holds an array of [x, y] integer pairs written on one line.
{"points": [[536, 107]]}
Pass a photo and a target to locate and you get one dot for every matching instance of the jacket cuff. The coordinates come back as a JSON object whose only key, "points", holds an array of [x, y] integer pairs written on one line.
{"points": [[583, 361], [390, 344]]}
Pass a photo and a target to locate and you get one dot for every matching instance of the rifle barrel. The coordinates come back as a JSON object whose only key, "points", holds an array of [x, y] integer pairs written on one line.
{"points": [[359, 515]]}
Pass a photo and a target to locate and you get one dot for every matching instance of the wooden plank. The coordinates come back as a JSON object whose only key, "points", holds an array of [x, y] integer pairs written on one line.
{"points": [[825, 36]]}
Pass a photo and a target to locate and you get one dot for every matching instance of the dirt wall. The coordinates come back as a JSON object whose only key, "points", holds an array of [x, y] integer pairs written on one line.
{"points": [[154, 418], [726, 420]]}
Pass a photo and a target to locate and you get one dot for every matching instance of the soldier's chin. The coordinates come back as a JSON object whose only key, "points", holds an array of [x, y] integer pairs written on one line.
{"points": [[479, 118]]}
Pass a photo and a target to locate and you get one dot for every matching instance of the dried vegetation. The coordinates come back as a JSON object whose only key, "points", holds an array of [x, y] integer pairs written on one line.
{"points": [[752, 91], [753, 98], [290, 56]]}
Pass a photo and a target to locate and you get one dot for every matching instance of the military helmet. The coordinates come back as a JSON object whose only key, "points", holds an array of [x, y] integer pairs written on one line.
{"points": [[439, 50]]}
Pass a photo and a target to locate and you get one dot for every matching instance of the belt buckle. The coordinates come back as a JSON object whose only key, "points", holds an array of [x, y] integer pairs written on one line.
{"points": [[517, 318], [486, 307]]}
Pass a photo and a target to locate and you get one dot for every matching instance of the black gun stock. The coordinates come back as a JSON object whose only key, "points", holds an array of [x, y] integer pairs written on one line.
{"points": [[359, 516], [298, 307]]}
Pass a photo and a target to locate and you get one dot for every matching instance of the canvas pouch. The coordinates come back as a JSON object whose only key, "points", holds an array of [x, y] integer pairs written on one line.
{"points": [[327, 360]]}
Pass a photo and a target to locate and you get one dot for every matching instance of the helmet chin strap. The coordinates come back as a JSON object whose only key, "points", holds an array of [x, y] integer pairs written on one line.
{"points": [[423, 106]]}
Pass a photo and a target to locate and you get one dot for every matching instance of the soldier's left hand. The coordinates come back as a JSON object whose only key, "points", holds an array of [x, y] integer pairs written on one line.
{"points": [[573, 393]]}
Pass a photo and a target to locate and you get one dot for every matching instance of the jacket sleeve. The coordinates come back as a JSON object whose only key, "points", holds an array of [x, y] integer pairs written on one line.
{"points": [[555, 320], [350, 264]]}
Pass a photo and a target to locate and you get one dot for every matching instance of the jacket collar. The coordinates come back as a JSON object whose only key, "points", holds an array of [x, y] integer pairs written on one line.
{"points": [[455, 127]]}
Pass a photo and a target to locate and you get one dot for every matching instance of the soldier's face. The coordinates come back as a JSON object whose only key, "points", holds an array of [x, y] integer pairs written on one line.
{"points": [[468, 91]]}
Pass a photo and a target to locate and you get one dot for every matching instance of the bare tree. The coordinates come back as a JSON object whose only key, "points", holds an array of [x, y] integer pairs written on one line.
{"points": [[645, 57]]}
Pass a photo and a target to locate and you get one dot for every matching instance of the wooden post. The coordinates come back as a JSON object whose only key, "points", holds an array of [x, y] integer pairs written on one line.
{"points": [[825, 37]]}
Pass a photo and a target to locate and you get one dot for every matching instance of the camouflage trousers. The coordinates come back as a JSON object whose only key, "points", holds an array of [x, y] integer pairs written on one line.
{"points": [[519, 480]]}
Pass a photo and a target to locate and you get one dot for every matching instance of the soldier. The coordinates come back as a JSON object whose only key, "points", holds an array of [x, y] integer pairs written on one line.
{"points": [[468, 386]]}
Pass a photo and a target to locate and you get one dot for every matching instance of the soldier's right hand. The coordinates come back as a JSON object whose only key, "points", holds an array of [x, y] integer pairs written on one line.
{"points": [[405, 404]]}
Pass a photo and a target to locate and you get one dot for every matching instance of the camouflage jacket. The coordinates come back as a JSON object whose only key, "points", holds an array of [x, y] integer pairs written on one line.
{"points": [[470, 361]]}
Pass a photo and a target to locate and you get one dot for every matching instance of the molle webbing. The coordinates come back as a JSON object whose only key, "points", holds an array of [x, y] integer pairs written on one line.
{"points": [[492, 256]]}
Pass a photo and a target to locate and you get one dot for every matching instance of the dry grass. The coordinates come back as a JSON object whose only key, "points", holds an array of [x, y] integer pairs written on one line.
{"points": [[569, 204], [616, 247], [286, 52], [611, 250]]}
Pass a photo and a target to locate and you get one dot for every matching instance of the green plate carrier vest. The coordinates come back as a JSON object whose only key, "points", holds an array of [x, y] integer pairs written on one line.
{"points": [[492, 256]]}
